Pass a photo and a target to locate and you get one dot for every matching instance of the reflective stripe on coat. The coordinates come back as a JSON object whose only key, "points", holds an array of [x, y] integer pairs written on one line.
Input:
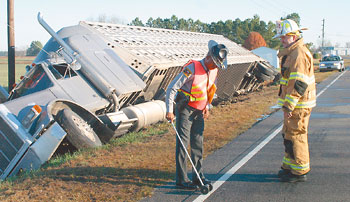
{"points": [[298, 65]]}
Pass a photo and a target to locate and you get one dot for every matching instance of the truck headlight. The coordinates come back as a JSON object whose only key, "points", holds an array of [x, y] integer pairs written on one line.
{"points": [[31, 115]]}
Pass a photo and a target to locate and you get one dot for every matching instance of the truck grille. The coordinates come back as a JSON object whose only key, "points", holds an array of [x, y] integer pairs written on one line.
{"points": [[13, 142], [10, 145]]}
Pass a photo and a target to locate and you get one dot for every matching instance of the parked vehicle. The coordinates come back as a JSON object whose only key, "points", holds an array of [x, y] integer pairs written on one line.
{"points": [[331, 62], [95, 81]]}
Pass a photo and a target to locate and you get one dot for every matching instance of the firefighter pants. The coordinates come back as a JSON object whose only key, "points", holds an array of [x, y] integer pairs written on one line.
{"points": [[296, 157], [190, 126]]}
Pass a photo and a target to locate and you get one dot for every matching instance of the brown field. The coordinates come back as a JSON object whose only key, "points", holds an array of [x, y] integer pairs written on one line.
{"points": [[21, 63], [129, 168], [19, 60]]}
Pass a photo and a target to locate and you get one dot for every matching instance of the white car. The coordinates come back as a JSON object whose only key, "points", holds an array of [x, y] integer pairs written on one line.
{"points": [[332, 62]]}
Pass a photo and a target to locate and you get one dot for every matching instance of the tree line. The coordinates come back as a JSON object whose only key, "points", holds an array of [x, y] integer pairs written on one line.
{"points": [[235, 30], [33, 50]]}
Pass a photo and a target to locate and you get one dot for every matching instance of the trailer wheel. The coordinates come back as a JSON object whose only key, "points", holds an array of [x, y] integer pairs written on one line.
{"points": [[79, 132]]}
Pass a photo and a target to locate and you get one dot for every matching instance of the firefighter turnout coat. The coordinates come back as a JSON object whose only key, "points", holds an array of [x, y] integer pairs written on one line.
{"points": [[298, 96]]}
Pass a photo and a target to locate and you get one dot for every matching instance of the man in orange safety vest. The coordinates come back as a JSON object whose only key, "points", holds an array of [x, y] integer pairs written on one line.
{"points": [[193, 90]]}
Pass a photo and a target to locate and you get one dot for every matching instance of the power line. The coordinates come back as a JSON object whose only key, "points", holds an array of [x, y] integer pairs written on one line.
{"points": [[339, 35], [286, 10], [41, 48], [258, 5], [277, 8]]}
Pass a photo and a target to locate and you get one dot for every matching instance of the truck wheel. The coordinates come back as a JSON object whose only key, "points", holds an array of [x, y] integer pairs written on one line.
{"points": [[79, 132], [262, 77], [265, 70]]}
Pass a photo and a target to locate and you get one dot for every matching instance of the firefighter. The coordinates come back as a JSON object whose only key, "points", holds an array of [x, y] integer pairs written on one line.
{"points": [[192, 90], [297, 97]]}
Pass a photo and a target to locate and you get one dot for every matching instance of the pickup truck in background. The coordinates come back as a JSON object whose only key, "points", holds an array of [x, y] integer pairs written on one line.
{"points": [[95, 81]]}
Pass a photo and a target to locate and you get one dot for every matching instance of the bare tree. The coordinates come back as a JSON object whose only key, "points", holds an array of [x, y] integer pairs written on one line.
{"points": [[106, 19], [347, 44], [102, 18], [326, 43]]}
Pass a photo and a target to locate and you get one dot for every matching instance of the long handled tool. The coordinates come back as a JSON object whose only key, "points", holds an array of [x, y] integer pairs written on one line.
{"points": [[205, 188]]}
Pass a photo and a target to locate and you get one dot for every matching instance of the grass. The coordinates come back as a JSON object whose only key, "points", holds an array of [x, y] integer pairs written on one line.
{"points": [[130, 167]]}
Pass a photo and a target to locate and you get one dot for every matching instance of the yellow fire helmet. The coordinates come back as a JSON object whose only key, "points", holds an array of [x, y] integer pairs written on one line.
{"points": [[287, 27]]}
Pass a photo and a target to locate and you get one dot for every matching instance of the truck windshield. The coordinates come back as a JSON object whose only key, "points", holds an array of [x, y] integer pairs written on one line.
{"points": [[36, 80], [61, 71]]}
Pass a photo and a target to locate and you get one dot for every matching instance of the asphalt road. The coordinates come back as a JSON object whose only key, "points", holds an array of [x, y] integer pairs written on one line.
{"points": [[246, 168]]}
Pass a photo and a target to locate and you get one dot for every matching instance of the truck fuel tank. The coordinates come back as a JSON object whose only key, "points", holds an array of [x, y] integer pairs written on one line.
{"points": [[146, 113]]}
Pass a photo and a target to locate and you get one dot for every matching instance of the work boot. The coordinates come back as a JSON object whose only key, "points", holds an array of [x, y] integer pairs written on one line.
{"points": [[283, 172], [293, 178], [187, 185]]}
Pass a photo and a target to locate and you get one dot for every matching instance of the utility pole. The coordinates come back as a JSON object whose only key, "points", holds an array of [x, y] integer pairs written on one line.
{"points": [[11, 44], [322, 49]]}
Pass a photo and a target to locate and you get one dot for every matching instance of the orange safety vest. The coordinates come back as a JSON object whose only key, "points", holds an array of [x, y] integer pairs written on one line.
{"points": [[202, 81]]}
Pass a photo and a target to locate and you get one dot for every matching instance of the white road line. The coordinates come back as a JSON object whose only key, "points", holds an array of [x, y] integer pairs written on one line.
{"points": [[245, 159]]}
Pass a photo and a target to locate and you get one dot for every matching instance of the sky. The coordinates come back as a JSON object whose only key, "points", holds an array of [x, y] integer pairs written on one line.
{"points": [[63, 13]]}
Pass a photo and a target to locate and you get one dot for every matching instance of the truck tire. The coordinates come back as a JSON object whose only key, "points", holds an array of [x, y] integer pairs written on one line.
{"points": [[79, 132], [262, 77], [265, 70]]}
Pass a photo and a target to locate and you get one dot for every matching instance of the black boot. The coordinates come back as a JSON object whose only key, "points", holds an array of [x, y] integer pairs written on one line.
{"points": [[204, 180], [187, 185], [293, 178], [283, 172]]}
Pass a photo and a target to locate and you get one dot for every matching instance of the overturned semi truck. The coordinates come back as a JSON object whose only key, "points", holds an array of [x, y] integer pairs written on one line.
{"points": [[95, 81]]}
